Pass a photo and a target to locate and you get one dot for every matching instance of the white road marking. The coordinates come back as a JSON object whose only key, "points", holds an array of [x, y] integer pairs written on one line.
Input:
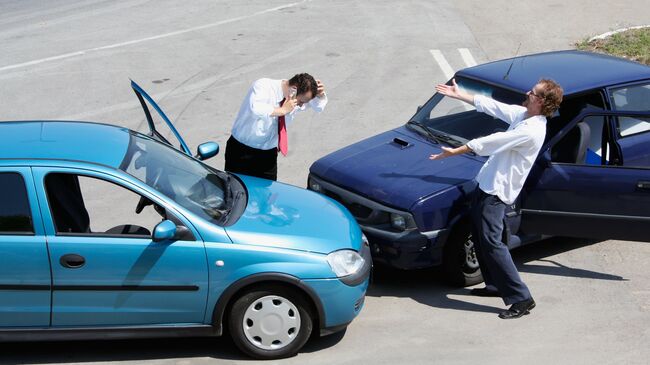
{"points": [[442, 62], [467, 57], [141, 40], [446, 68]]}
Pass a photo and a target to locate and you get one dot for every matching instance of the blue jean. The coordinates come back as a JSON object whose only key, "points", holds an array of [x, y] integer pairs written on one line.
{"points": [[497, 267]]}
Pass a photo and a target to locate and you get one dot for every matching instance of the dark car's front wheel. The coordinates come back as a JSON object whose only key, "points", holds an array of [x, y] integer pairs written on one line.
{"points": [[460, 265], [270, 323]]}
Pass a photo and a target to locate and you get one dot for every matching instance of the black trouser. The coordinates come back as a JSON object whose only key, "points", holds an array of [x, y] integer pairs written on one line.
{"points": [[245, 160], [497, 267]]}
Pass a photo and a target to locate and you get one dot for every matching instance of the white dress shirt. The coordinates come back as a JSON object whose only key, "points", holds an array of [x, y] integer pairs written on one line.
{"points": [[512, 153], [254, 125]]}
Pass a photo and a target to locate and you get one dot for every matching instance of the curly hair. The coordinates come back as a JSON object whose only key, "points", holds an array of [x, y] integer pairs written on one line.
{"points": [[551, 95], [304, 82]]}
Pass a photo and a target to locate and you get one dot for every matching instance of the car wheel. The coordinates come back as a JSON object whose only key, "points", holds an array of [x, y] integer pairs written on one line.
{"points": [[459, 260], [270, 323]]}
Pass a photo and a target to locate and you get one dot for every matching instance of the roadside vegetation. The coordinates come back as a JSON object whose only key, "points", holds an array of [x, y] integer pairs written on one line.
{"points": [[633, 44]]}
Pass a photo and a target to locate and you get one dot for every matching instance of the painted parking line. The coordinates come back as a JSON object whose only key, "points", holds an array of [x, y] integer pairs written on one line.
{"points": [[442, 62], [467, 57], [446, 68], [141, 40]]}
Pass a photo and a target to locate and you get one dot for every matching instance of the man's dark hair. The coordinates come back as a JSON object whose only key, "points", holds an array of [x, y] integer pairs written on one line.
{"points": [[304, 82]]}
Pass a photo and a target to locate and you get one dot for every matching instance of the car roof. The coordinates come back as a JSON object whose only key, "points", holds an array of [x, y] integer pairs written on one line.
{"points": [[575, 71], [64, 140]]}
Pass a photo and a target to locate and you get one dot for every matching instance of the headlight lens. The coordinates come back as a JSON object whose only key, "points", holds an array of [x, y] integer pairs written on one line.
{"points": [[313, 185], [345, 262], [397, 221]]}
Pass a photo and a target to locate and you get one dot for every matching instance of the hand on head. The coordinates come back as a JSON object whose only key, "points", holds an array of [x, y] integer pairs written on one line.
{"points": [[321, 89]]}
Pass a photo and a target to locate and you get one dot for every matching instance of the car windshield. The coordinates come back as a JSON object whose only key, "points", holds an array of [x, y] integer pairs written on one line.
{"points": [[190, 183], [455, 122]]}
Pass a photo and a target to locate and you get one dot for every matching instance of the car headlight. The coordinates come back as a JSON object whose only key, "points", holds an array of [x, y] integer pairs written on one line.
{"points": [[345, 262], [398, 221], [314, 186]]}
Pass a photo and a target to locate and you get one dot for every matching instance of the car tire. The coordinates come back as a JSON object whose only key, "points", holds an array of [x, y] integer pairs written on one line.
{"points": [[270, 322], [460, 266]]}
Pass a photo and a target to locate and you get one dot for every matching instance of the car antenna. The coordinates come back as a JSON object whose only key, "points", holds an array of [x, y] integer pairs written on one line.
{"points": [[505, 77]]}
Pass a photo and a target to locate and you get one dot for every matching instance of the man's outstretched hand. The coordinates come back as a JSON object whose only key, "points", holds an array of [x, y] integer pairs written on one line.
{"points": [[446, 152], [449, 90]]}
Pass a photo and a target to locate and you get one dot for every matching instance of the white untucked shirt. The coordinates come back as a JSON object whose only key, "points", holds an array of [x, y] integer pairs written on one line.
{"points": [[512, 153], [254, 125]]}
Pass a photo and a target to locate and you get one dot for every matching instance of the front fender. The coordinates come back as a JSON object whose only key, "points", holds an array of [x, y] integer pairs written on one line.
{"points": [[275, 277], [233, 267]]}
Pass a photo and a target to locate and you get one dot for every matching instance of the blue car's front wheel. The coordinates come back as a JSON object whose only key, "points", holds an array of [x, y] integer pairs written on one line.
{"points": [[270, 323]]}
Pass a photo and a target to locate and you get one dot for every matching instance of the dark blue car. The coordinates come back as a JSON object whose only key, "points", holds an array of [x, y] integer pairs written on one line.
{"points": [[591, 179]]}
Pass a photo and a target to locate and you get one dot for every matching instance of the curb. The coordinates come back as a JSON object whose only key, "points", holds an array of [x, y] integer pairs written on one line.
{"points": [[605, 35]]}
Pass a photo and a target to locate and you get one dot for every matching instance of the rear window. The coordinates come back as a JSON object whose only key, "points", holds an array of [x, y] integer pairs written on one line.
{"points": [[15, 215]]}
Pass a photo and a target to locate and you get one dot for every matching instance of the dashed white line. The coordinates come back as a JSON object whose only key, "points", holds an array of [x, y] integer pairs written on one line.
{"points": [[442, 62], [136, 41], [467, 57]]}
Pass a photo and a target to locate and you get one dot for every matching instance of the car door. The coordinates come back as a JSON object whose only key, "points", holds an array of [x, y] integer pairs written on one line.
{"points": [[24, 264], [106, 269], [160, 127], [596, 196], [632, 133]]}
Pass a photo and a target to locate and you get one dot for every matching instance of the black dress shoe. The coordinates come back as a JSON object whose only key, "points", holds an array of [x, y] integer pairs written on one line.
{"points": [[484, 292], [518, 309]]}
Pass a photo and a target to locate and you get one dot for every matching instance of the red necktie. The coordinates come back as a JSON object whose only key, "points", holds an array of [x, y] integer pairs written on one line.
{"points": [[283, 144]]}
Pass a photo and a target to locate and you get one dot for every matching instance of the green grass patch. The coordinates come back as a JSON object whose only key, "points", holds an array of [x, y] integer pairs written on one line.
{"points": [[633, 44]]}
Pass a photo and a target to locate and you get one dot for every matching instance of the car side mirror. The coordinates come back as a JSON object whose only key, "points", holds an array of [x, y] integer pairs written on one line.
{"points": [[164, 231], [207, 150]]}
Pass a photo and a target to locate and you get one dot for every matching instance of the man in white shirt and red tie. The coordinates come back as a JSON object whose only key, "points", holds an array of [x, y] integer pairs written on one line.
{"points": [[512, 154], [259, 132]]}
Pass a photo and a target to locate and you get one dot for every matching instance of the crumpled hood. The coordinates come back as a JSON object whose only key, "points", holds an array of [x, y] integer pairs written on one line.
{"points": [[389, 172], [281, 215]]}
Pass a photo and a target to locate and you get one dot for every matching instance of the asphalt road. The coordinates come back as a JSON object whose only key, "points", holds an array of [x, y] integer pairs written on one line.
{"points": [[379, 60]]}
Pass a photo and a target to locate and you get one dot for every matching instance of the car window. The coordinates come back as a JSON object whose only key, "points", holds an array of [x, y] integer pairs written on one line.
{"points": [[15, 214], [92, 206], [584, 144], [632, 98]]}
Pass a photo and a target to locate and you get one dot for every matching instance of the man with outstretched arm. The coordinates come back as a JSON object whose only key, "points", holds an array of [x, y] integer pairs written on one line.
{"points": [[500, 180]]}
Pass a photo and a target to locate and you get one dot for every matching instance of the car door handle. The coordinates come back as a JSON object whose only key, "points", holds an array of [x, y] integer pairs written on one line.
{"points": [[643, 185], [72, 261]]}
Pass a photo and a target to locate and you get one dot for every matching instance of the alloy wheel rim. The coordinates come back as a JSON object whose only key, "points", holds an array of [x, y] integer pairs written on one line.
{"points": [[271, 322], [471, 262]]}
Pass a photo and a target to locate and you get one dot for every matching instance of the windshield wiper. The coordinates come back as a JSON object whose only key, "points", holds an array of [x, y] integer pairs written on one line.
{"points": [[426, 130], [449, 139]]}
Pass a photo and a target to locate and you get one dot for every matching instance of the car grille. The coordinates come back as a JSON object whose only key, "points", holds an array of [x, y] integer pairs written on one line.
{"points": [[359, 211]]}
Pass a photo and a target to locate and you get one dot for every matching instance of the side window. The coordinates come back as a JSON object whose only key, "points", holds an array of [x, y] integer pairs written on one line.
{"points": [[15, 214], [632, 98], [584, 144], [88, 205]]}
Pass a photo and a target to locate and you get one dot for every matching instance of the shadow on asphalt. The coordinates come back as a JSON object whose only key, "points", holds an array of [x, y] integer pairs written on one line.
{"points": [[218, 348], [427, 286], [539, 251]]}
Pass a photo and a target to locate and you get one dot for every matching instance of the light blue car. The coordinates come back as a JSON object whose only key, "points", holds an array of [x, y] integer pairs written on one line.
{"points": [[107, 233]]}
